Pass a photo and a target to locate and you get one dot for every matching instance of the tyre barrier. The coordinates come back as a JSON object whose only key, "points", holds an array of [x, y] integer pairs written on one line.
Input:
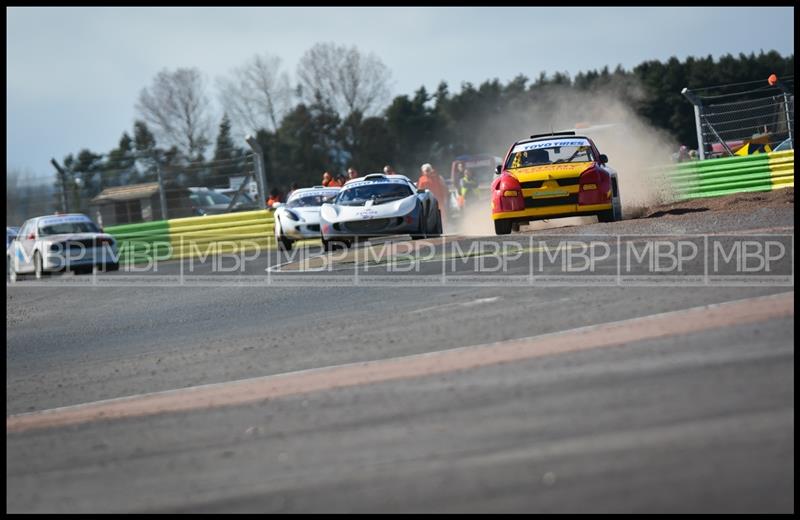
{"points": [[715, 177]]}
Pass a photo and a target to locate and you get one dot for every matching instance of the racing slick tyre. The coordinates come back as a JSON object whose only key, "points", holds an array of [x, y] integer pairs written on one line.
{"points": [[503, 227], [615, 213], [332, 245], [438, 231], [423, 231], [38, 271], [285, 244]]}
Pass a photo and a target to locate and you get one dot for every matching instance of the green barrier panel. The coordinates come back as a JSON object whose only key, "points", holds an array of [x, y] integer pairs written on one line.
{"points": [[714, 177], [142, 243]]}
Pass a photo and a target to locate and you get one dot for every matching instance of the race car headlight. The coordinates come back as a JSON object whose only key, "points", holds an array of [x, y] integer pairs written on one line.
{"points": [[292, 215]]}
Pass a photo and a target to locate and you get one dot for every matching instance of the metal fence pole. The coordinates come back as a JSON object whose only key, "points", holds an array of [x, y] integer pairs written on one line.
{"points": [[62, 177], [261, 179], [788, 117], [161, 193], [698, 106]]}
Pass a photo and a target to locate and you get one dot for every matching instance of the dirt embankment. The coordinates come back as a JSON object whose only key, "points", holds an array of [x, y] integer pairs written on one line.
{"points": [[734, 202]]}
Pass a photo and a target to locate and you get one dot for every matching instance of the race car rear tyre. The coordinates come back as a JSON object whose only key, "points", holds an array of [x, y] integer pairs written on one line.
{"points": [[439, 231], [503, 227], [615, 213], [423, 231]]}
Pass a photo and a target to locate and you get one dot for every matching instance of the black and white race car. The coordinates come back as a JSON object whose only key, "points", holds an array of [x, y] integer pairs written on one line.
{"points": [[298, 218], [379, 205]]}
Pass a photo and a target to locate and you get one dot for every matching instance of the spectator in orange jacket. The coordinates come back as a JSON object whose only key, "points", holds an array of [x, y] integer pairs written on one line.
{"points": [[329, 182], [431, 180], [274, 196]]}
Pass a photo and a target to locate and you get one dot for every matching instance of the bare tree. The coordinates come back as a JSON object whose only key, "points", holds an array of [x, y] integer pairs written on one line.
{"points": [[258, 94], [176, 107], [349, 80]]}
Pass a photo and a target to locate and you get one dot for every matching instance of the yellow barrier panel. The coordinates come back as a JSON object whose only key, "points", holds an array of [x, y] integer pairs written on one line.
{"points": [[781, 166], [226, 233]]}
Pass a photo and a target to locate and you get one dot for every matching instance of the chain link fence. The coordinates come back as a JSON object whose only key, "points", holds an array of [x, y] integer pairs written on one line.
{"points": [[741, 120], [139, 188]]}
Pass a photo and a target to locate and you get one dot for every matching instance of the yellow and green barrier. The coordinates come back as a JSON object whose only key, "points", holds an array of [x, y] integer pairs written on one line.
{"points": [[226, 233], [714, 177], [204, 236], [144, 242]]}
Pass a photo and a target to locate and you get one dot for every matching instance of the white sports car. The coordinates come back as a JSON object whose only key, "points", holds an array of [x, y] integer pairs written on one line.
{"points": [[379, 205], [298, 218], [59, 243]]}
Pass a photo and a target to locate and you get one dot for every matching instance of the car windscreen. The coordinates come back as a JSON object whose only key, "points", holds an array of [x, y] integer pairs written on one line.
{"points": [[209, 198], [66, 228], [545, 153], [309, 201], [380, 192]]}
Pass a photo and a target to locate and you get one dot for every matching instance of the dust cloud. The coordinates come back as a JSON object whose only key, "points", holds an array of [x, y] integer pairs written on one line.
{"points": [[635, 149]]}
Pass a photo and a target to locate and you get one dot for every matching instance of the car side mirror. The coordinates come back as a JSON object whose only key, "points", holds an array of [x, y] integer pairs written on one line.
{"points": [[603, 158], [498, 169]]}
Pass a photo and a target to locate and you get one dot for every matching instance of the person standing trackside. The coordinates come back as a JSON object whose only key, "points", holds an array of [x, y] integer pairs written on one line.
{"points": [[352, 173], [388, 170], [431, 180], [329, 182]]}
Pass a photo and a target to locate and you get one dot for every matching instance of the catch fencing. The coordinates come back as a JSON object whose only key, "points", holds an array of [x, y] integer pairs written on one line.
{"points": [[745, 118], [139, 188]]}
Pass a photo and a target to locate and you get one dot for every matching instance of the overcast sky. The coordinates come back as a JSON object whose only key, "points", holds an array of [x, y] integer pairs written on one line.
{"points": [[73, 74]]}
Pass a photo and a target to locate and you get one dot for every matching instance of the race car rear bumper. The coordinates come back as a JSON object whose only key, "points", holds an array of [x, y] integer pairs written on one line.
{"points": [[548, 212]]}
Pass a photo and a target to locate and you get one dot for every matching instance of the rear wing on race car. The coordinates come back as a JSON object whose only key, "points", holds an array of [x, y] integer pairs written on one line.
{"points": [[552, 134]]}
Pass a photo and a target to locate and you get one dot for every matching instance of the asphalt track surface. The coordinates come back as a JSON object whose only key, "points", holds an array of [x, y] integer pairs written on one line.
{"points": [[699, 420]]}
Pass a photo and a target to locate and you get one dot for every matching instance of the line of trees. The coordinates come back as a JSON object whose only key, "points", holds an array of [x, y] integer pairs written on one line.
{"points": [[339, 113]]}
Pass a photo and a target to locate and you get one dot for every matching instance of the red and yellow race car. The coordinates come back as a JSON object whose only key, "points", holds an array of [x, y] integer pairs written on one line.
{"points": [[551, 176]]}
